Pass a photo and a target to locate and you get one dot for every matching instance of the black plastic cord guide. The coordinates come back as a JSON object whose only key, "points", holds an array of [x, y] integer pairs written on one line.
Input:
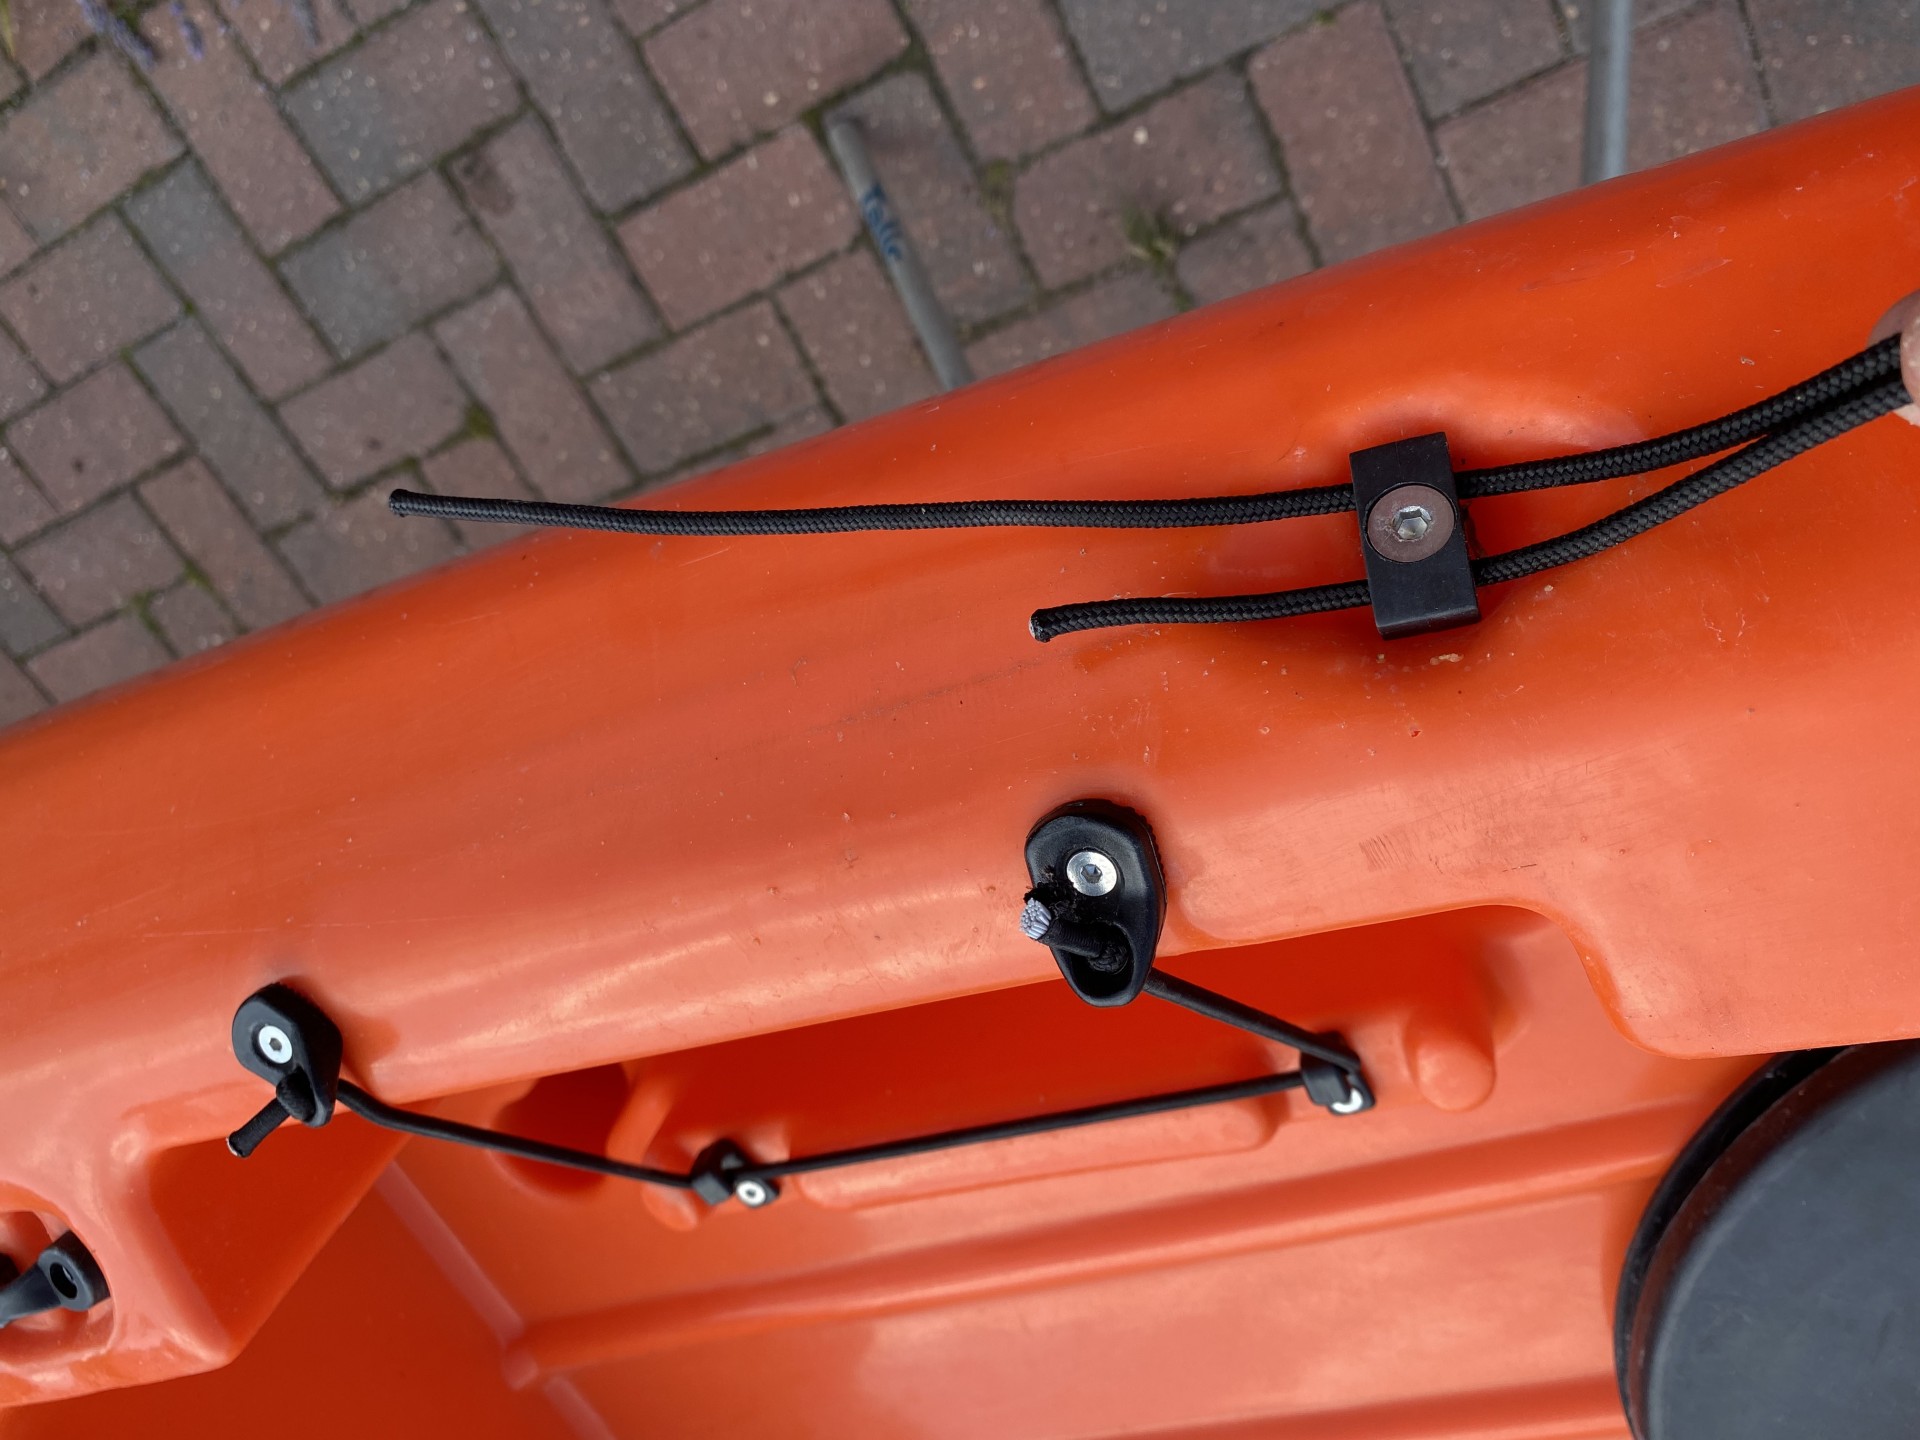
{"points": [[283, 1037], [63, 1276], [1858, 389]]}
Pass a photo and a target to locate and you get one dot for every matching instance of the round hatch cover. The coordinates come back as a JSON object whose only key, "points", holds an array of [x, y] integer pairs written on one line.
{"points": [[1773, 1289]]}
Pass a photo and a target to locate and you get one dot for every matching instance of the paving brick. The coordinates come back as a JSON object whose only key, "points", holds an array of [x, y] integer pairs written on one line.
{"points": [[774, 210], [969, 256], [92, 438], [477, 467], [739, 68], [19, 696], [204, 522], [229, 428], [642, 17], [78, 142], [273, 36], [1645, 12], [27, 623], [1521, 147], [1354, 143], [1693, 87], [396, 262], [583, 74], [569, 271], [851, 324], [1184, 162], [401, 402], [801, 425], [196, 241], [45, 32], [10, 81], [23, 509], [1135, 47], [82, 302], [1260, 248], [191, 619], [118, 650], [543, 419], [15, 243], [1008, 70], [412, 92], [1819, 54], [20, 383], [737, 375], [366, 12], [93, 565], [361, 544], [1114, 306], [1462, 50], [239, 135]]}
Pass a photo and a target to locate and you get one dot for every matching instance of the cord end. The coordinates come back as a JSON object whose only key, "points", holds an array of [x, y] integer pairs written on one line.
{"points": [[406, 502]]}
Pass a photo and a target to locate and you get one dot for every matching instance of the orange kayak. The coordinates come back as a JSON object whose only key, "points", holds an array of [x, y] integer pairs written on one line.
{"points": [[639, 845]]}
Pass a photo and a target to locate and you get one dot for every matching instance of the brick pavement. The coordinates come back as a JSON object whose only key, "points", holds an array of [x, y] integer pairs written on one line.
{"points": [[574, 248]]}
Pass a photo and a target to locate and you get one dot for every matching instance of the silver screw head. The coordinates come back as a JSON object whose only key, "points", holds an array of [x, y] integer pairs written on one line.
{"points": [[1411, 522], [1092, 873], [273, 1042], [753, 1193]]}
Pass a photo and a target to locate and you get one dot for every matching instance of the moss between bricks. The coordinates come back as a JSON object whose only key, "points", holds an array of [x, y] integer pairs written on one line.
{"points": [[479, 423]]}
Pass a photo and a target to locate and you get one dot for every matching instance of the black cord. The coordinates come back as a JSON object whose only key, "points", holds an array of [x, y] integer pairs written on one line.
{"points": [[1856, 390], [432, 1127], [1870, 365], [1876, 363], [1695, 489], [1610, 530], [934, 515], [1032, 1125]]}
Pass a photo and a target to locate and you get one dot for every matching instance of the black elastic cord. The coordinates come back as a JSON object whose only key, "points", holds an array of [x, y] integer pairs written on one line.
{"points": [[1244, 1017], [1777, 411], [1695, 489], [1033, 1125], [934, 515], [1610, 530], [1058, 620], [1876, 363], [432, 1127]]}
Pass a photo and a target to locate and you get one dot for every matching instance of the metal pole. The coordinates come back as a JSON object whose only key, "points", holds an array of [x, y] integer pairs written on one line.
{"points": [[909, 277], [1609, 56]]}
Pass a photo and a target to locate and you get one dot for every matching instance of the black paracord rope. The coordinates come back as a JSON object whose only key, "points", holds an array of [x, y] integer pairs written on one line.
{"points": [[1610, 530], [1778, 411], [934, 515], [1876, 363], [1696, 489]]}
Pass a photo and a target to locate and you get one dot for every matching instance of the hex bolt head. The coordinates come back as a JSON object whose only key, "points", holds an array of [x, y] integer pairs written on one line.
{"points": [[754, 1193], [274, 1043], [1092, 873], [1409, 522]]}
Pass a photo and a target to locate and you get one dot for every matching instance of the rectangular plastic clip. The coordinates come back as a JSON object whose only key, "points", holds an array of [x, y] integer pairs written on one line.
{"points": [[1414, 537]]}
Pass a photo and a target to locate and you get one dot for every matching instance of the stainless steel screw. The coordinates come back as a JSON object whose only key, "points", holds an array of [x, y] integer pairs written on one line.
{"points": [[1411, 522], [1092, 873], [272, 1042]]}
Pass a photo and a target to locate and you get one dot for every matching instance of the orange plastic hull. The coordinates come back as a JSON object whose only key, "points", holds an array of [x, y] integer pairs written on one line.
{"points": [[642, 843]]}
